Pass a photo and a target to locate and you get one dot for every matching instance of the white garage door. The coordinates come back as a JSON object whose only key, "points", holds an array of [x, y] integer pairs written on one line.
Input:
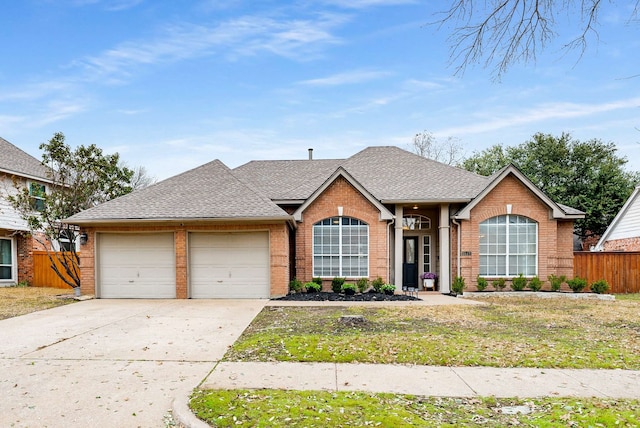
{"points": [[136, 265], [229, 265]]}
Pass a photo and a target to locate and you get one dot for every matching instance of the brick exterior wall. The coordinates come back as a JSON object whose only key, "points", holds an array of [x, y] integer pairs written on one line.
{"points": [[626, 244], [25, 244], [342, 194], [278, 244], [555, 237]]}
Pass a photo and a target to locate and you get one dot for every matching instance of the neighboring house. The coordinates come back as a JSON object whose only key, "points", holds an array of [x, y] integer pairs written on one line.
{"points": [[16, 244], [623, 234], [384, 212]]}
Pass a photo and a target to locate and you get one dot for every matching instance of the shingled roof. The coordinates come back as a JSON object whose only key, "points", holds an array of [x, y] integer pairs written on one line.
{"points": [[389, 173], [210, 191], [14, 161]]}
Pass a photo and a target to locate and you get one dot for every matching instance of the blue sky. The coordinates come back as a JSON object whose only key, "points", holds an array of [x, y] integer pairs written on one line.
{"points": [[171, 85]]}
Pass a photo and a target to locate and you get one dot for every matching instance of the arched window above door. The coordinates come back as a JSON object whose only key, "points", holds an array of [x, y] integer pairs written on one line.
{"points": [[416, 222]]}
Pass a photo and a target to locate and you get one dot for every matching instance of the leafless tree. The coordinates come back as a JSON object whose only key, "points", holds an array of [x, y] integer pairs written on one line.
{"points": [[141, 178], [503, 32], [449, 151]]}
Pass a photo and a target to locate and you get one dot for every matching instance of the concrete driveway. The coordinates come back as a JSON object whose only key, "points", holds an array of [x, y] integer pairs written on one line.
{"points": [[116, 363]]}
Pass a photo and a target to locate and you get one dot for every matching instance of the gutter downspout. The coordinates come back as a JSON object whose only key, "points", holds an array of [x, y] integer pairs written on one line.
{"points": [[391, 223], [454, 221]]}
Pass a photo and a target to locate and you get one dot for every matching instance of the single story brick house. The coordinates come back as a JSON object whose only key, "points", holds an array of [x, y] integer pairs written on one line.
{"points": [[215, 232]]}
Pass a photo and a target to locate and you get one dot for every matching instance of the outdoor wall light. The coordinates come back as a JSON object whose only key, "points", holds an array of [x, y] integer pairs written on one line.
{"points": [[83, 238]]}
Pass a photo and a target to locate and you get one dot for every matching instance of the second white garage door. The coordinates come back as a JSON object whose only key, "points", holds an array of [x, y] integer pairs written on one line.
{"points": [[229, 265], [136, 265]]}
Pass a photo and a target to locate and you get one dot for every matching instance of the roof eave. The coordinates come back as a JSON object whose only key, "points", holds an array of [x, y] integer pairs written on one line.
{"points": [[27, 176], [426, 201], [172, 220]]}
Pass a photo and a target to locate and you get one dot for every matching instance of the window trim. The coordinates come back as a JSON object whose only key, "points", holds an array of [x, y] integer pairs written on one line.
{"points": [[13, 266], [507, 253], [340, 254]]}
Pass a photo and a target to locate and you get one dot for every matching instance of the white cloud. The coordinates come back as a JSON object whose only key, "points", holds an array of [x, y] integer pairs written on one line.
{"points": [[350, 77], [538, 114], [243, 36]]}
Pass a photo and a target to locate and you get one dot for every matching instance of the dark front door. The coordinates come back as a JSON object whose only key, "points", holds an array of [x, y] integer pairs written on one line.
{"points": [[410, 264]]}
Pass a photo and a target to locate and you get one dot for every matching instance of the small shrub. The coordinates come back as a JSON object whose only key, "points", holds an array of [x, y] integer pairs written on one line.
{"points": [[295, 285], [348, 288], [377, 284], [458, 285], [577, 284], [482, 283], [23, 283], [535, 284], [317, 280], [556, 281], [362, 284], [312, 287], [518, 283], [336, 284], [388, 288], [600, 286], [499, 284]]}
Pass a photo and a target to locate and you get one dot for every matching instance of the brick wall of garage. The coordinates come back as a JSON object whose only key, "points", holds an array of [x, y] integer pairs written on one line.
{"points": [[555, 237], [342, 194], [278, 247]]}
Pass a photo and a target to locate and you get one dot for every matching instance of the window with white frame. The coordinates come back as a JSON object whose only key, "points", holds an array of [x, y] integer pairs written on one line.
{"points": [[341, 247], [508, 246], [426, 253], [416, 222], [6, 259]]}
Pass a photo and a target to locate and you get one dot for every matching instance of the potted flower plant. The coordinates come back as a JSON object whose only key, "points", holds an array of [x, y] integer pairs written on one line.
{"points": [[428, 280]]}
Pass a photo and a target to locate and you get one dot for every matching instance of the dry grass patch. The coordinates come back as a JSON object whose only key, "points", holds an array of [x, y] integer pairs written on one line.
{"points": [[15, 301], [508, 332]]}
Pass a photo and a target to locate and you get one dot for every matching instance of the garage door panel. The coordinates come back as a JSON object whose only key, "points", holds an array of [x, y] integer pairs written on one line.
{"points": [[229, 265], [136, 265]]}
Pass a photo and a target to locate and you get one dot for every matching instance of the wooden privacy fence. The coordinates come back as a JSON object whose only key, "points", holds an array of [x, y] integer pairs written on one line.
{"points": [[43, 274], [620, 270]]}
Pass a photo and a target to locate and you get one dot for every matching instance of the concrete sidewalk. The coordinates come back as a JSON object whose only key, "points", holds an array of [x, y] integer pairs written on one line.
{"points": [[427, 380], [416, 380]]}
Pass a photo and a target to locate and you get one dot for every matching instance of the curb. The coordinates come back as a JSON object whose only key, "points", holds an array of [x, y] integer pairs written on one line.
{"points": [[183, 415]]}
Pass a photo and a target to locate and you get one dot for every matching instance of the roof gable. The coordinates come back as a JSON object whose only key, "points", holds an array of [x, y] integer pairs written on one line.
{"points": [[385, 214], [15, 161], [210, 191], [558, 211], [626, 223]]}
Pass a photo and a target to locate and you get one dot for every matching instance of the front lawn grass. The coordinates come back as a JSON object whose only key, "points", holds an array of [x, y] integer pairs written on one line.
{"points": [[15, 301], [508, 332], [276, 408]]}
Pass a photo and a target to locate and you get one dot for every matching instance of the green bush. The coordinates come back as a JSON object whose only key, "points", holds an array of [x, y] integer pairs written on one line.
{"points": [[499, 284], [518, 283], [337, 283], [312, 287], [535, 284], [482, 283], [388, 288], [317, 280], [377, 284], [362, 284], [600, 286], [348, 288], [295, 285], [577, 284], [556, 281], [458, 285]]}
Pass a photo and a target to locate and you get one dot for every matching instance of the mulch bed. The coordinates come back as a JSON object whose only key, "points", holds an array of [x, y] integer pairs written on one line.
{"points": [[339, 297]]}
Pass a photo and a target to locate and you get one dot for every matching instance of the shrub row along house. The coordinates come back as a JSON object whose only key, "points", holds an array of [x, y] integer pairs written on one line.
{"points": [[16, 243], [215, 232]]}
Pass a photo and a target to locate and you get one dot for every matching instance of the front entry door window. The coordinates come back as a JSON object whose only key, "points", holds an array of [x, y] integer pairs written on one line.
{"points": [[410, 265]]}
